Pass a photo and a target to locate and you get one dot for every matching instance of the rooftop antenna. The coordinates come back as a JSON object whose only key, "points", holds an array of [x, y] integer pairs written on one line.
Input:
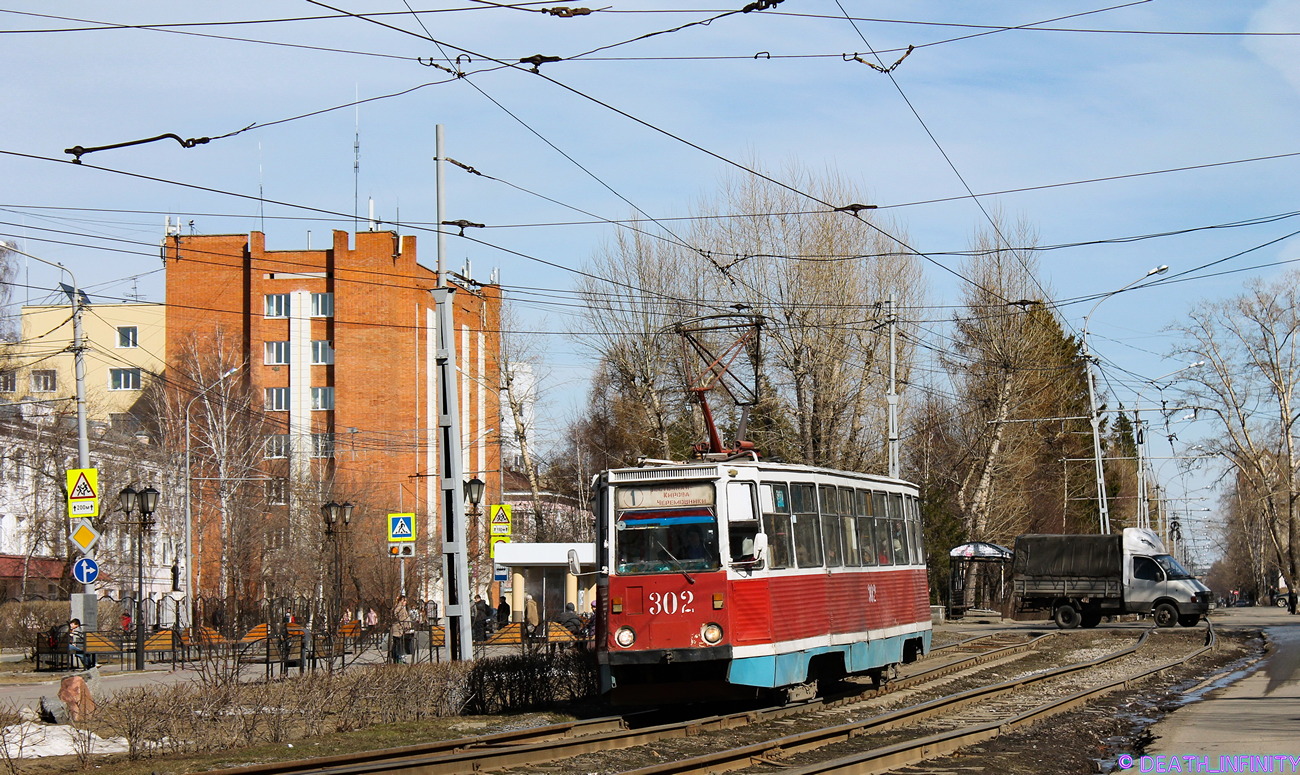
{"points": [[356, 161], [261, 199]]}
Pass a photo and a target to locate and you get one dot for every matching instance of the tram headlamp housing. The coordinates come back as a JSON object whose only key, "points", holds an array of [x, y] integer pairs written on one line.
{"points": [[625, 637], [712, 633]]}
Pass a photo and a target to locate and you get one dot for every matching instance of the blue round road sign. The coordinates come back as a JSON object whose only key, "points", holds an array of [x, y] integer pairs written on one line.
{"points": [[85, 570]]}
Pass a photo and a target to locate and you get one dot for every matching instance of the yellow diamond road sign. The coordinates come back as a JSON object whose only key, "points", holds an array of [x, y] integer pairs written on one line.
{"points": [[83, 492], [84, 535]]}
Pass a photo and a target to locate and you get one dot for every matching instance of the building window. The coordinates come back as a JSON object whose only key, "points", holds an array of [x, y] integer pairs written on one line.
{"points": [[8, 382], [277, 399], [322, 305], [277, 491], [124, 379], [277, 353], [277, 305], [277, 445], [322, 398], [322, 445], [322, 352], [128, 336], [44, 381]]}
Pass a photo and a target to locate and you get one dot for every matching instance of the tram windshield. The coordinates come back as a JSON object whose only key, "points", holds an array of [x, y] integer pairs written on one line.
{"points": [[665, 528]]}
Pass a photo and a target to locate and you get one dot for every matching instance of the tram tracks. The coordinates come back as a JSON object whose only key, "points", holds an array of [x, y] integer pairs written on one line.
{"points": [[535, 745], [968, 718]]}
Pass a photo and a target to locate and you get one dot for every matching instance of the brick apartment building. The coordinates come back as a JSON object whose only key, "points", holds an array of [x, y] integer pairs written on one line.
{"points": [[337, 349]]}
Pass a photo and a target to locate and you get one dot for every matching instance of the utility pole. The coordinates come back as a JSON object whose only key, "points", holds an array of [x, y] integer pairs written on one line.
{"points": [[895, 470], [455, 534]]}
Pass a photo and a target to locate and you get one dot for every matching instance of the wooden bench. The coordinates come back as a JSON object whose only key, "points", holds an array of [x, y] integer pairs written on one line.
{"points": [[261, 645], [513, 635], [52, 652], [102, 645]]}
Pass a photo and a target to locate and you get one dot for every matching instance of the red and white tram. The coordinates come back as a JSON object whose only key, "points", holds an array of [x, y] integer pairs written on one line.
{"points": [[746, 575]]}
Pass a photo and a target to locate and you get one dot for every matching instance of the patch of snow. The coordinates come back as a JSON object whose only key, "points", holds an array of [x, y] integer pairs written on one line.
{"points": [[29, 740]]}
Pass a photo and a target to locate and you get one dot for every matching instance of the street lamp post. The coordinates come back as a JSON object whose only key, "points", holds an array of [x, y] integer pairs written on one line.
{"points": [[337, 517], [1103, 517], [146, 501], [473, 491], [189, 500]]}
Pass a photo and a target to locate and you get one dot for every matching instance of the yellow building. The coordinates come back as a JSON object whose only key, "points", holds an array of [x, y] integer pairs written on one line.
{"points": [[125, 344]]}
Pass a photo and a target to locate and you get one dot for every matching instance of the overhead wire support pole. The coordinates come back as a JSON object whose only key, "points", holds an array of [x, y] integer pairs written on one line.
{"points": [[895, 469], [455, 532], [1103, 516]]}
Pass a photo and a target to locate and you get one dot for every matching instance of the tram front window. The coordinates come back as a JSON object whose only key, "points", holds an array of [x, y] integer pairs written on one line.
{"points": [[665, 529]]}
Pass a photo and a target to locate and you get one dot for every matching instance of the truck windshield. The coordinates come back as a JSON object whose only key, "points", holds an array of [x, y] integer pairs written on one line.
{"points": [[665, 528], [1172, 568]]}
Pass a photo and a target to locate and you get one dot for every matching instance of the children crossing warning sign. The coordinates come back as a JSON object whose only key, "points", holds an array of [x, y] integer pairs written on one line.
{"points": [[83, 492], [499, 518]]}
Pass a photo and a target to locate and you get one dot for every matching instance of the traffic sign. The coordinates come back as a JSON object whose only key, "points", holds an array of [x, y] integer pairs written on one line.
{"points": [[498, 540], [83, 492], [85, 570], [499, 518], [500, 573], [401, 527], [84, 535]]}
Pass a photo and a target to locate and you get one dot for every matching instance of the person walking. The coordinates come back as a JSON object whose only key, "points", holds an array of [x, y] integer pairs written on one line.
{"points": [[503, 613], [479, 615], [532, 618], [400, 628]]}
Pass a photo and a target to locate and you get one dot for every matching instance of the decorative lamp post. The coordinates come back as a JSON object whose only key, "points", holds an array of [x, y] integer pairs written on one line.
{"points": [[146, 502], [473, 491], [337, 517]]}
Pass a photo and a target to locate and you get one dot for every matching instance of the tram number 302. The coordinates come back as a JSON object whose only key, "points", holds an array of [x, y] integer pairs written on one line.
{"points": [[672, 603]]}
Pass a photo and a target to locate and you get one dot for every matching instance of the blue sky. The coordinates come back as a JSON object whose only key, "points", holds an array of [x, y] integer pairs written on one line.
{"points": [[1104, 93]]}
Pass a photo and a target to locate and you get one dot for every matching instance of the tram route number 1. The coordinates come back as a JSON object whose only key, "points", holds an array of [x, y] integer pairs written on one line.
{"points": [[672, 603]]}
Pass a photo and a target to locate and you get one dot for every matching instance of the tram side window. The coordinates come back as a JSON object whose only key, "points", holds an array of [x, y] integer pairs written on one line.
{"points": [[884, 550], [898, 540], [742, 523], [832, 539], [866, 542], [807, 532], [775, 503], [850, 528]]}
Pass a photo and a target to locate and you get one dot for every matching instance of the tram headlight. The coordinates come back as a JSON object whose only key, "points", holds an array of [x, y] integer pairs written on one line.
{"points": [[712, 633], [625, 637]]}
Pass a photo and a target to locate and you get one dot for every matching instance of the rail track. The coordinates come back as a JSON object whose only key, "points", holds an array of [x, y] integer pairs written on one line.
{"points": [[553, 743]]}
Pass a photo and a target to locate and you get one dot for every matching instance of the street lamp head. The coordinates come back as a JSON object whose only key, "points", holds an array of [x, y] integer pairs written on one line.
{"points": [[347, 512], [330, 511], [148, 500], [1158, 270], [474, 491], [127, 498]]}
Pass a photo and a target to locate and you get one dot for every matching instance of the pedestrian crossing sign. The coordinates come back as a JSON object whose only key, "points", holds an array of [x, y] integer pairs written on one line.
{"points": [[401, 527]]}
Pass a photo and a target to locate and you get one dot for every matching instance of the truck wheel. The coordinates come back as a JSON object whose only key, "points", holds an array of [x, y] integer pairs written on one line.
{"points": [[1189, 620], [1090, 620], [1166, 615], [1067, 616]]}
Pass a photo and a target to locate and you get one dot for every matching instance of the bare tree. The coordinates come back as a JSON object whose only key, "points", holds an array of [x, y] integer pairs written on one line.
{"points": [[1251, 348]]}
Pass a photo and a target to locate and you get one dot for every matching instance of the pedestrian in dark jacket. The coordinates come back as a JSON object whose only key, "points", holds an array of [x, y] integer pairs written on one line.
{"points": [[570, 620], [503, 613]]}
